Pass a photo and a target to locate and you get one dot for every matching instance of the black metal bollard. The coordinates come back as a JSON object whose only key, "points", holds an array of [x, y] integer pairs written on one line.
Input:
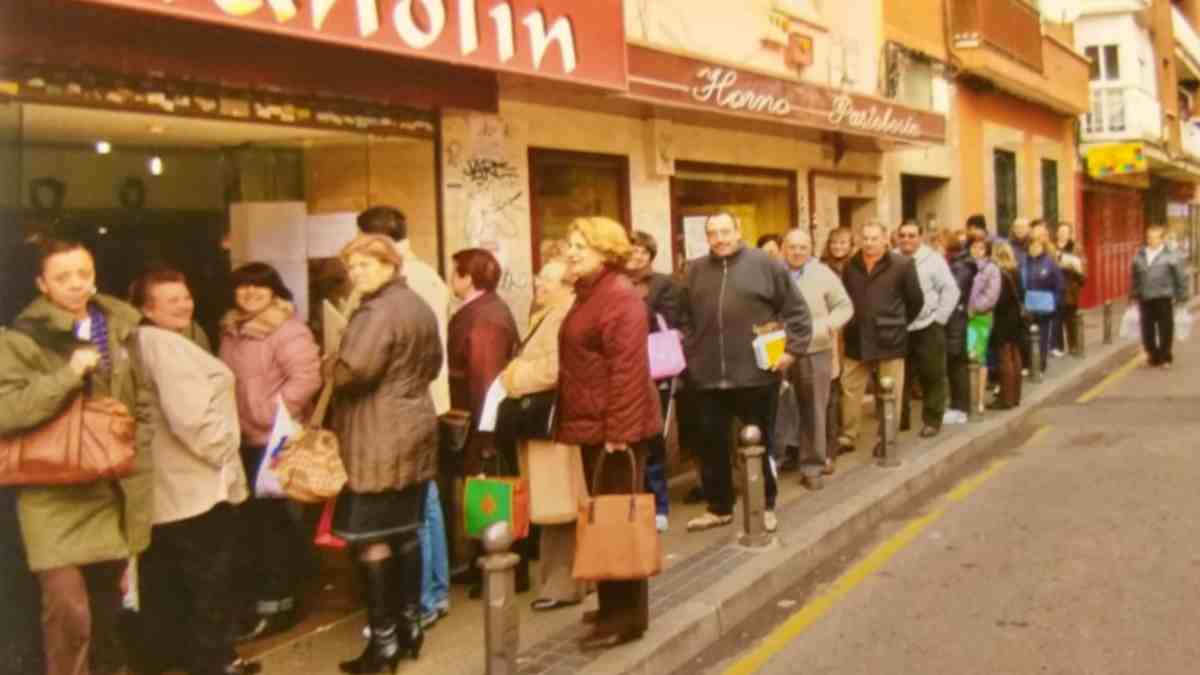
{"points": [[501, 620], [976, 370], [1035, 351], [750, 453], [888, 456], [1108, 319]]}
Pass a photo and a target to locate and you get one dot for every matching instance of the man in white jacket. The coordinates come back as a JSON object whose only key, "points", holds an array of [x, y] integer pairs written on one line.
{"points": [[812, 376], [927, 333], [424, 280]]}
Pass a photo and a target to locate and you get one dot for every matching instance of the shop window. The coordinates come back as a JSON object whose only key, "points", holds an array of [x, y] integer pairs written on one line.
{"points": [[567, 185], [764, 201], [1050, 191], [1005, 168]]}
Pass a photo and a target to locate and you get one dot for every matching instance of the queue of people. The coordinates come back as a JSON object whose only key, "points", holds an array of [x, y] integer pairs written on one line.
{"points": [[218, 564]]}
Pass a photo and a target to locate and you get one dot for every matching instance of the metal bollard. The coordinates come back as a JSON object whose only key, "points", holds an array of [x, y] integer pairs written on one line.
{"points": [[750, 452], [1108, 318], [501, 621], [1035, 351], [975, 403], [887, 424], [1079, 345]]}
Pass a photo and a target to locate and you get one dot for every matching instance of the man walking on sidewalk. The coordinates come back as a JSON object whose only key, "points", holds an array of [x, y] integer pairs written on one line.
{"points": [[926, 359], [1159, 281], [730, 293], [812, 374], [887, 297]]}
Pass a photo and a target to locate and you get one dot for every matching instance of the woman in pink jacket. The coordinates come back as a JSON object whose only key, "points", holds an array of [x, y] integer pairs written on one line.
{"points": [[275, 358]]}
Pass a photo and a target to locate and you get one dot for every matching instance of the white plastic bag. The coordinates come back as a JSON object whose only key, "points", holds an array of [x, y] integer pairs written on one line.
{"points": [[1131, 323], [267, 483], [1183, 323]]}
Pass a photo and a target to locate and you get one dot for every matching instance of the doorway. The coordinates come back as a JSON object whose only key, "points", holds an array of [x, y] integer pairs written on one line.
{"points": [[923, 200]]}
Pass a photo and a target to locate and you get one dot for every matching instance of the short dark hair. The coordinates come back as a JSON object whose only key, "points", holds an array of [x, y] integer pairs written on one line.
{"points": [[975, 237], [139, 290], [260, 274], [386, 220], [977, 221], [50, 247], [480, 265], [767, 239], [911, 222], [646, 241]]}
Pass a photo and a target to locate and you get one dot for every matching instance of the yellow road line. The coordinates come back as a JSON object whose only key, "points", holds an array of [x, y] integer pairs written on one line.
{"points": [[1110, 379], [851, 578]]}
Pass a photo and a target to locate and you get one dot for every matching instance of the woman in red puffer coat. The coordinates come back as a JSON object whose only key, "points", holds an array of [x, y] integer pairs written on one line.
{"points": [[607, 401]]}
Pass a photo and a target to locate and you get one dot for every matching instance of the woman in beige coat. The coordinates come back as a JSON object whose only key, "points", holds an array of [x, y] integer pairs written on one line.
{"points": [[534, 370]]}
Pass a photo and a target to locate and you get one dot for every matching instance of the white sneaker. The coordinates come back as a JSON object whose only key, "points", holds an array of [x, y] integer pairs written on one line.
{"points": [[770, 522], [1057, 353], [661, 523], [1024, 372]]}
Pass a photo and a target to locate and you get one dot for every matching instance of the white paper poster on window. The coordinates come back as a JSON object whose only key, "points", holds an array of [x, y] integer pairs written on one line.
{"points": [[695, 243], [328, 233]]}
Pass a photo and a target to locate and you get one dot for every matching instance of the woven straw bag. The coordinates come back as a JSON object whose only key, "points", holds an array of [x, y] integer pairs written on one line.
{"points": [[310, 466]]}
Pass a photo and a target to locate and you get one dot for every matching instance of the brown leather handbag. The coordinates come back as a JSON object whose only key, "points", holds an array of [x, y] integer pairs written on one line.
{"points": [[615, 535], [92, 440]]}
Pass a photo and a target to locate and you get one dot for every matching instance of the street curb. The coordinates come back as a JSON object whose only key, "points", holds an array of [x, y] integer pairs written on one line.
{"points": [[686, 631]]}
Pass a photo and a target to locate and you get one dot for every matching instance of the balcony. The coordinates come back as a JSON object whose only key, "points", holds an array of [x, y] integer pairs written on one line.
{"points": [[1122, 113], [1008, 26], [1187, 44], [1005, 43]]}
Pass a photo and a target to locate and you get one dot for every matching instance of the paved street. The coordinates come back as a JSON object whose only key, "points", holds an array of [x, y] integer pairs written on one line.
{"points": [[1074, 551]]}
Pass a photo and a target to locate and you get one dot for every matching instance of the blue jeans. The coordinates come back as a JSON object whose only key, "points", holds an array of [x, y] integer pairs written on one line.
{"points": [[435, 562]]}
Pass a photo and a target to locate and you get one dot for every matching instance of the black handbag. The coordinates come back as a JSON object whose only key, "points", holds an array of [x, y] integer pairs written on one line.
{"points": [[453, 429], [528, 417]]}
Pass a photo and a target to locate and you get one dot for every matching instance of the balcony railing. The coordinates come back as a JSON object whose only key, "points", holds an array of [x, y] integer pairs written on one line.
{"points": [[1185, 36], [1122, 112], [1010, 26]]}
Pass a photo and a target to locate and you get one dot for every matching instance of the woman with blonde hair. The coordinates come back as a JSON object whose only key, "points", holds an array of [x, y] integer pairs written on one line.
{"points": [[607, 401], [1005, 338], [385, 420]]}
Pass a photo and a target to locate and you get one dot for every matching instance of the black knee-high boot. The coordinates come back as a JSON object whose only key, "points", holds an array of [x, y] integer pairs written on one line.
{"points": [[383, 652], [407, 552]]}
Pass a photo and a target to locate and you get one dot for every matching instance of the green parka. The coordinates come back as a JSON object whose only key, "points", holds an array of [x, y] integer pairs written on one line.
{"points": [[72, 524]]}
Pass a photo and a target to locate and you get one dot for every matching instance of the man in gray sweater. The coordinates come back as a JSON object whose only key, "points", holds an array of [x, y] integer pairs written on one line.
{"points": [[730, 293], [926, 361]]}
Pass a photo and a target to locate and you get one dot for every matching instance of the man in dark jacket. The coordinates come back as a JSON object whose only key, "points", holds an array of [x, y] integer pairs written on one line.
{"points": [[887, 297], [730, 293]]}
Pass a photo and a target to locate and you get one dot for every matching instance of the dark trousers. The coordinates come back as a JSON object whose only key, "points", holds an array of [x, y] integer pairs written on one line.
{"points": [[1158, 329], [624, 605], [716, 411], [1066, 338], [272, 555], [80, 610], [833, 417], [1045, 324], [958, 372], [185, 583], [1026, 344], [1009, 357], [926, 363]]}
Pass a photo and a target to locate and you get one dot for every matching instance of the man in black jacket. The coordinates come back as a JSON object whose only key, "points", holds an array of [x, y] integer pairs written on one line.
{"points": [[731, 292], [887, 297]]}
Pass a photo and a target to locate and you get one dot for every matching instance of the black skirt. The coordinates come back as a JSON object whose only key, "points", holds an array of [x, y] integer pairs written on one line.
{"points": [[371, 517]]}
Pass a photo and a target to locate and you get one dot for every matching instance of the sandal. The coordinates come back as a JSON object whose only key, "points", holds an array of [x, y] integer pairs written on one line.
{"points": [[547, 604], [708, 521]]}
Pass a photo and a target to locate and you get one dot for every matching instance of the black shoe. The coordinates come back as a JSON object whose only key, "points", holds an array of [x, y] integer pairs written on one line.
{"points": [[259, 627], [694, 496], [382, 654], [813, 483], [548, 604], [475, 591], [788, 465]]}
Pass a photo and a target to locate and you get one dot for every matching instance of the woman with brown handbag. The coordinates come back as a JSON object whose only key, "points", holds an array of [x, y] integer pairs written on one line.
{"points": [[72, 341], [533, 371], [385, 421], [607, 401]]}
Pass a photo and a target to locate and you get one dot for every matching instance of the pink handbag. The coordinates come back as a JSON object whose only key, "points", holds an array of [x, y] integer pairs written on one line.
{"points": [[666, 352]]}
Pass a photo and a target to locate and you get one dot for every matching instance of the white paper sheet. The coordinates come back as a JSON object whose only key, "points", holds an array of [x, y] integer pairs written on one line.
{"points": [[267, 483], [491, 406], [695, 242]]}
